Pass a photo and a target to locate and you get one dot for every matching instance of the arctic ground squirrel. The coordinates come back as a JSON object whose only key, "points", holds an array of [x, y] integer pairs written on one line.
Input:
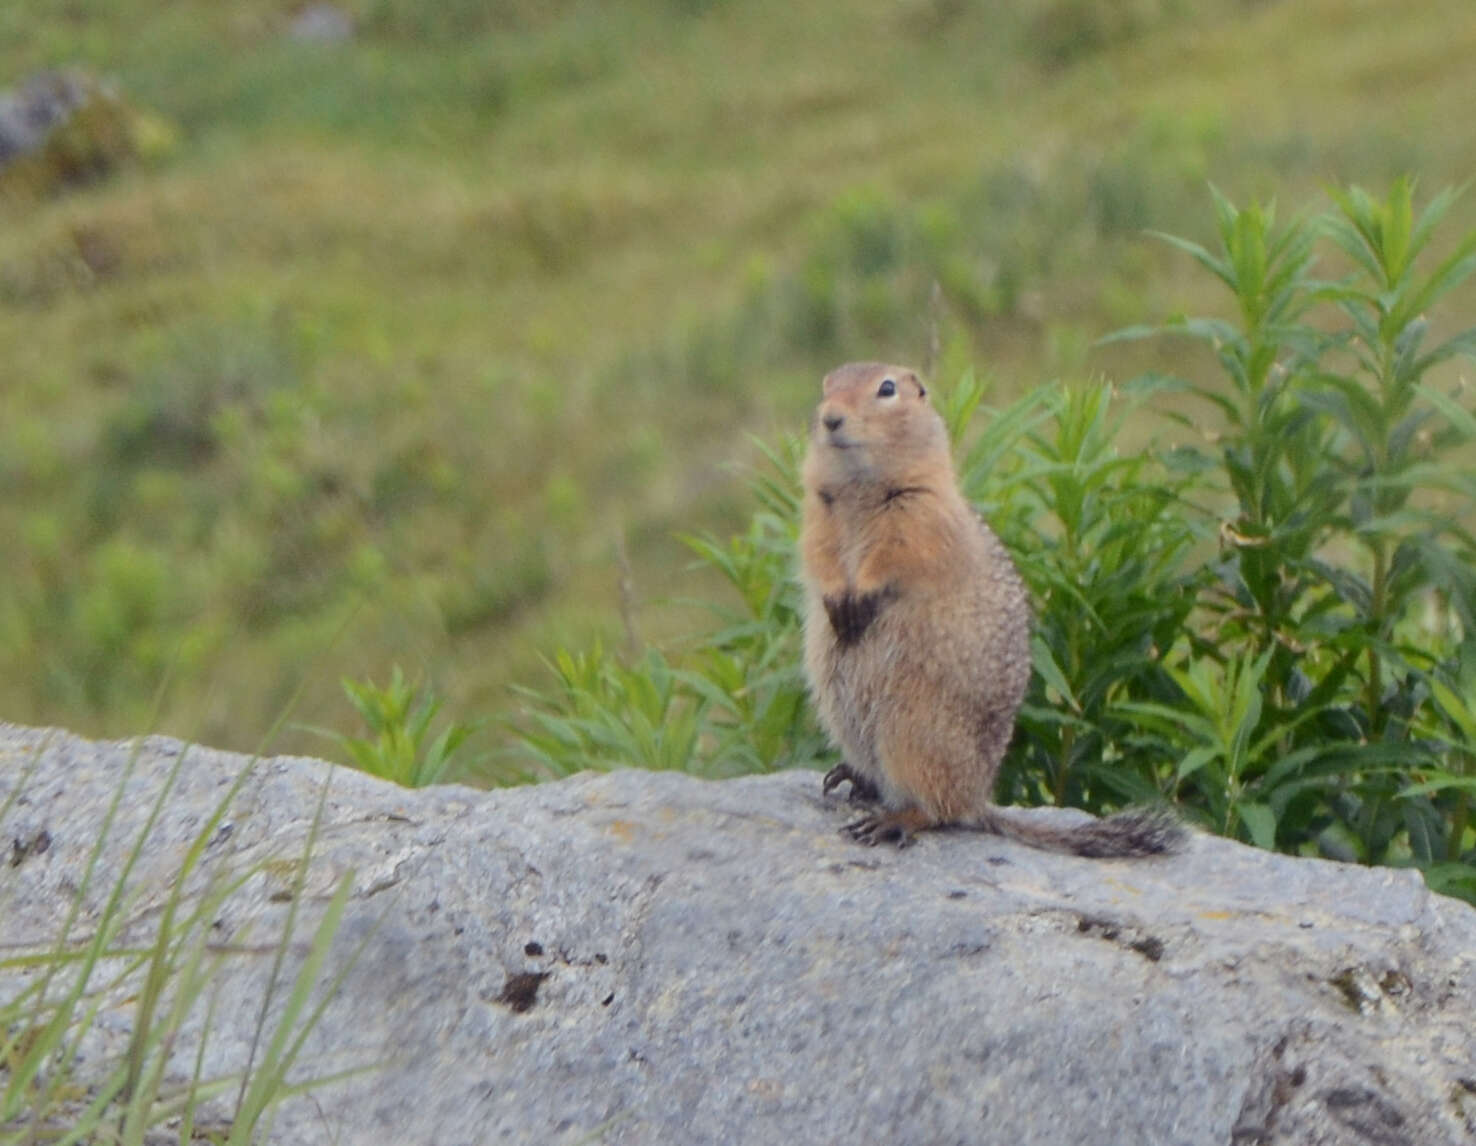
{"points": [[917, 627]]}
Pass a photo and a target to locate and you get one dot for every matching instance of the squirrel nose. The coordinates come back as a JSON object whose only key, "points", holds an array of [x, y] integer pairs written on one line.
{"points": [[833, 422]]}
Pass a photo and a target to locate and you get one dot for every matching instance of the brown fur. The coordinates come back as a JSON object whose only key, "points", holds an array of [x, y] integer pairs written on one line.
{"points": [[917, 627]]}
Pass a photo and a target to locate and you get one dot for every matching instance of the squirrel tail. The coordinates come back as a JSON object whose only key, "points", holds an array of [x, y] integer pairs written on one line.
{"points": [[1129, 833]]}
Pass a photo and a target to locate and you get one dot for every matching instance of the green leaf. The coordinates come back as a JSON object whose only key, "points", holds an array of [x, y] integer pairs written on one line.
{"points": [[1218, 267], [1050, 671], [1442, 783], [1194, 760], [1260, 822], [1451, 271]]}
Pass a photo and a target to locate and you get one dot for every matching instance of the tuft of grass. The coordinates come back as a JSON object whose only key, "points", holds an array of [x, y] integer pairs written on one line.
{"points": [[43, 1096], [400, 746], [170, 976], [734, 703]]}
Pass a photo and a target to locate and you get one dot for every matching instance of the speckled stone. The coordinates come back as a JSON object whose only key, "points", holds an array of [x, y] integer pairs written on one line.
{"points": [[648, 958]]}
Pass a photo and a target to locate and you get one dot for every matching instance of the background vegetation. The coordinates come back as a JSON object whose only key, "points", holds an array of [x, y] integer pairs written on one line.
{"points": [[398, 342], [438, 348]]}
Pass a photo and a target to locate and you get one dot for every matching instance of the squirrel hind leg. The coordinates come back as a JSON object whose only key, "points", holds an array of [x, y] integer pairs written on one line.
{"points": [[863, 790], [890, 827]]}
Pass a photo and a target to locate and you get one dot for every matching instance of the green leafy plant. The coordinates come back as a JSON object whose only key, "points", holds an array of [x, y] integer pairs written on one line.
{"points": [[749, 668], [400, 746], [1348, 499], [604, 714], [1273, 625], [1101, 538], [734, 703]]}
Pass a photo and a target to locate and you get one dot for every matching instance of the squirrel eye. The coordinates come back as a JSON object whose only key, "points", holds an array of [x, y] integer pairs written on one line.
{"points": [[887, 389]]}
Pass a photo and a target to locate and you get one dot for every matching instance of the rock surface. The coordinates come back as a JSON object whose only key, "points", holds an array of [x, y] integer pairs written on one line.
{"points": [[640, 958], [322, 23], [31, 112], [66, 128]]}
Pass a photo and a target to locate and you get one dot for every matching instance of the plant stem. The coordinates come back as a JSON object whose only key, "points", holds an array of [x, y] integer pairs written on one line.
{"points": [[1063, 764], [1458, 820], [1373, 688]]}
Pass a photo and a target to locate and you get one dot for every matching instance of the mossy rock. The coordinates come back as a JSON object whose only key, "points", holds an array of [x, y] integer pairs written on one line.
{"points": [[67, 128]]}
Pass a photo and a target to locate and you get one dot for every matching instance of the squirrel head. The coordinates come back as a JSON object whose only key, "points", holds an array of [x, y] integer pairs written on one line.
{"points": [[875, 424]]}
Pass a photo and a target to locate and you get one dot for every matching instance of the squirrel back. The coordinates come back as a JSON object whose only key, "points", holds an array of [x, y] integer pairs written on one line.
{"points": [[917, 624]]}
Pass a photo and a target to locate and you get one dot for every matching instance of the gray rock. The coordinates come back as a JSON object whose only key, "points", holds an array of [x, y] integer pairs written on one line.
{"points": [[322, 24], [640, 958], [31, 112]]}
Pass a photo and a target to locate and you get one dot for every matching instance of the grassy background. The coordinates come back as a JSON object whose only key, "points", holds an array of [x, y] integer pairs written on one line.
{"points": [[400, 343]]}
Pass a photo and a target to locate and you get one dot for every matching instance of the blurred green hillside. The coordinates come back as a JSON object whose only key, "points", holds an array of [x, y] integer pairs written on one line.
{"points": [[402, 342]]}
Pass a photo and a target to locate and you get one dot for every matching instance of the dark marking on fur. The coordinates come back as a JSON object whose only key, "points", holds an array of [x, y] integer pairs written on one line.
{"points": [[851, 614], [1145, 831], [893, 495]]}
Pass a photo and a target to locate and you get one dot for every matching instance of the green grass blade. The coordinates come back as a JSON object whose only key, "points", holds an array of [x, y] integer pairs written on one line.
{"points": [[277, 1060]]}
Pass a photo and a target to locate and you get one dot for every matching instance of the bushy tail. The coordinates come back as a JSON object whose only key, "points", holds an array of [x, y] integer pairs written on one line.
{"points": [[1125, 834]]}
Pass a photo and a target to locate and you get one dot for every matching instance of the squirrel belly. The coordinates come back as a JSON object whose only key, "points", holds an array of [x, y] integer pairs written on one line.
{"points": [[917, 626]]}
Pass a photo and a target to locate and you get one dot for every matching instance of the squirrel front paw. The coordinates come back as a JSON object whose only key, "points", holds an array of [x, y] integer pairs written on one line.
{"points": [[863, 791]]}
